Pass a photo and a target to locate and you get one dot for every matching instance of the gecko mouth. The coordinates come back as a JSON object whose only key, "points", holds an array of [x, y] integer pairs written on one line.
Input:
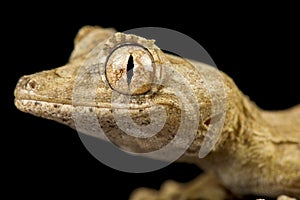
{"points": [[29, 105], [63, 112]]}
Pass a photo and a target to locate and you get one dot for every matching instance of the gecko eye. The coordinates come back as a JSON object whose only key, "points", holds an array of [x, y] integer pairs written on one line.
{"points": [[130, 70]]}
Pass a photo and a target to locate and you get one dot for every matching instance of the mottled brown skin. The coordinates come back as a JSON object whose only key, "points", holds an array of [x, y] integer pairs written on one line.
{"points": [[257, 153]]}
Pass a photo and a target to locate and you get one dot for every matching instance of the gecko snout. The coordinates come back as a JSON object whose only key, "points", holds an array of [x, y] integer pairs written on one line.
{"points": [[25, 85], [30, 84]]}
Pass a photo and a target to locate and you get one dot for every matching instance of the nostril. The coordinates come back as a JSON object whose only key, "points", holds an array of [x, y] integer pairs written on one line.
{"points": [[31, 84]]}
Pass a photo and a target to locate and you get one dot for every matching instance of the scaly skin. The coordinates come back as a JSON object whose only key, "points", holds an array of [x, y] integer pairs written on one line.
{"points": [[258, 152]]}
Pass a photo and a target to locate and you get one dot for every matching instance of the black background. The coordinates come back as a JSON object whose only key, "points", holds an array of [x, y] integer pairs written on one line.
{"points": [[256, 45]]}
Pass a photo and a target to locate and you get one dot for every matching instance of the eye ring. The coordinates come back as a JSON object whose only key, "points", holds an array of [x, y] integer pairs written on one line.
{"points": [[144, 86]]}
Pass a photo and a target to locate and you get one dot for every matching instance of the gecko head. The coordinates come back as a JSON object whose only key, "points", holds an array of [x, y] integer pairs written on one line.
{"points": [[128, 89], [48, 93]]}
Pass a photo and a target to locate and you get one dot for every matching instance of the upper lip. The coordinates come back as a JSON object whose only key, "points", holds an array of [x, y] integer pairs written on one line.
{"points": [[103, 105]]}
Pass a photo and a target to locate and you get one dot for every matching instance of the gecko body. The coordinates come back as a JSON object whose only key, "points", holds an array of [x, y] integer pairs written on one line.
{"points": [[258, 152]]}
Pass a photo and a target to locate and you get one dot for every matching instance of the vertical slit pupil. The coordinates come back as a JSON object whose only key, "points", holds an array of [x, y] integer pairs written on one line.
{"points": [[130, 66]]}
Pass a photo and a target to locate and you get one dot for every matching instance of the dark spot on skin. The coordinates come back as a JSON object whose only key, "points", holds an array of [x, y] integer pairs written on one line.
{"points": [[207, 122], [121, 71], [90, 109], [213, 119], [55, 106]]}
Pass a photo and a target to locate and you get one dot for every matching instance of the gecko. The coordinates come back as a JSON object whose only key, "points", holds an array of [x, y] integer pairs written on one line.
{"points": [[257, 152]]}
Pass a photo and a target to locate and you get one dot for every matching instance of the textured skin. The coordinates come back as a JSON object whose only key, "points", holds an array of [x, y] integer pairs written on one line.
{"points": [[257, 153]]}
